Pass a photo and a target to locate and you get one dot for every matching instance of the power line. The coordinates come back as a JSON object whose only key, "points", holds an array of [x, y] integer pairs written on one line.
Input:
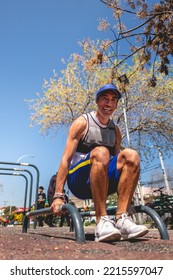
{"points": [[154, 167], [156, 181]]}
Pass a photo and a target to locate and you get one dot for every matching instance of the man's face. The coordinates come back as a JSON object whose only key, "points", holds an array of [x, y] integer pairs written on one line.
{"points": [[40, 190], [107, 103]]}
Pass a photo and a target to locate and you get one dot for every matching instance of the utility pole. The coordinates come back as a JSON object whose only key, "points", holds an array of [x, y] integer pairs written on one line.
{"points": [[164, 171], [5, 203], [125, 120], [138, 195]]}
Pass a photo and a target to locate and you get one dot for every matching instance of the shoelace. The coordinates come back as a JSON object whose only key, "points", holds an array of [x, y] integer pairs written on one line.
{"points": [[126, 217], [106, 219]]}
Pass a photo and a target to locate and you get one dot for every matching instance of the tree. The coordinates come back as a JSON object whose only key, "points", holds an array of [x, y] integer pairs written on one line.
{"points": [[8, 210], [71, 93], [149, 110], [146, 27]]}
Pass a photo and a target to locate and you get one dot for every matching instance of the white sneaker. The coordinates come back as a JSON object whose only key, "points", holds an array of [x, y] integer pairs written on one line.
{"points": [[106, 230], [129, 229]]}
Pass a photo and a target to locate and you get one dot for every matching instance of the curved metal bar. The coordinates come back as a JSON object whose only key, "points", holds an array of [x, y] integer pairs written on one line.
{"points": [[139, 209], [26, 187], [77, 221], [31, 181], [38, 212], [156, 218], [37, 180], [76, 218]]}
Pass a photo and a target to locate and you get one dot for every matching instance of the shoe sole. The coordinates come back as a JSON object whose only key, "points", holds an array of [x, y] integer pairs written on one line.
{"points": [[135, 235], [108, 237]]}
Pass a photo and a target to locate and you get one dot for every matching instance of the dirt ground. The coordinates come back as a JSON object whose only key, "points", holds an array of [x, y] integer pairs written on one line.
{"points": [[60, 244]]}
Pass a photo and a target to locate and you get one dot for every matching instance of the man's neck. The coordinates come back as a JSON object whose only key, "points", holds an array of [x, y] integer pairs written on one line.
{"points": [[102, 119]]}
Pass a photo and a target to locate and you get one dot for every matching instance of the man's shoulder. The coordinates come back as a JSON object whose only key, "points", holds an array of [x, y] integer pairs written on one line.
{"points": [[78, 127], [81, 121]]}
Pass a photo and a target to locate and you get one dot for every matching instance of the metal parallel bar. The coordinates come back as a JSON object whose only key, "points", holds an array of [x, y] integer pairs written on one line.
{"points": [[139, 209], [31, 181], [156, 218], [26, 186], [37, 179], [110, 211], [39, 212], [77, 221], [75, 215]]}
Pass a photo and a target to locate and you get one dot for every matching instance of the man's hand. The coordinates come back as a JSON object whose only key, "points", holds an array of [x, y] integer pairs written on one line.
{"points": [[56, 206]]}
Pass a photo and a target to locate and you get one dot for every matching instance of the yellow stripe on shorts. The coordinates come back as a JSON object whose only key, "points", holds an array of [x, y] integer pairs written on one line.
{"points": [[87, 162]]}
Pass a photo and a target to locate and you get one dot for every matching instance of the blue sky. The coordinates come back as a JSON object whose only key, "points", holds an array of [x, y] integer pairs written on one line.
{"points": [[35, 35]]}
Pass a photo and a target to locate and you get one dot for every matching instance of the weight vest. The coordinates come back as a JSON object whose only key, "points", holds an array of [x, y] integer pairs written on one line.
{"points": [[97, 135]]}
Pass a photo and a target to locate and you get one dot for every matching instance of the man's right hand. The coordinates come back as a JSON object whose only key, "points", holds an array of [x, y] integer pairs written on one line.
{"points": [[56, 206]]}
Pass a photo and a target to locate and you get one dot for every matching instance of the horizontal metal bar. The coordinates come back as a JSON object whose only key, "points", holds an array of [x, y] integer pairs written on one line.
{"points": [[39, 212]]}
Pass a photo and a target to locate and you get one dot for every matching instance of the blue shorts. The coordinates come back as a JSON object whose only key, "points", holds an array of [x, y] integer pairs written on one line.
{"points": [[78, 179]]}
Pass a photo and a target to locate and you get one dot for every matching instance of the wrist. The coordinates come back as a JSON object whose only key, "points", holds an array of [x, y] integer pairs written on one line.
{"points": [[59, 195]]}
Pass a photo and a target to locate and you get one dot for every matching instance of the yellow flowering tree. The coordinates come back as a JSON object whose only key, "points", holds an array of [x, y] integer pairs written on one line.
{"points": [[149, 110], [148, 95]]}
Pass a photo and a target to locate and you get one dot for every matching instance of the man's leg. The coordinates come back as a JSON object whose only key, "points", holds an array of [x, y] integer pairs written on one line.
{"points": [[99, 179], [128, 165], [105, 229]]}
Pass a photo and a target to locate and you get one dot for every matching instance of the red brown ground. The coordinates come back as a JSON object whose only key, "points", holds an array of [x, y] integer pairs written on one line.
{"points": [[59, 244]]}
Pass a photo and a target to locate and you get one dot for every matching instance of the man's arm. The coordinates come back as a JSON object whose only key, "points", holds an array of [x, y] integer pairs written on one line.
{"points": [[76, 132]]}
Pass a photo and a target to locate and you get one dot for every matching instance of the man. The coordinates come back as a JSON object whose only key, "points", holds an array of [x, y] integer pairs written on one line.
{"points": [[40, 204], [50, 194], [94, 167]]}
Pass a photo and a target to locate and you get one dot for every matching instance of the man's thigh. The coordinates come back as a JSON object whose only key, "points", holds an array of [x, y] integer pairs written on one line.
{"points": [[78, 179]]}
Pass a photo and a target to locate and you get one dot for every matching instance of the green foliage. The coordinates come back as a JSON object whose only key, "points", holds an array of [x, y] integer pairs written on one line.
{"points": [[9, 209]]}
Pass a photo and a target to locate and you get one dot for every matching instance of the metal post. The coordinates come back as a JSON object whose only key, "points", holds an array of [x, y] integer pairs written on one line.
{"points": [[164, 171], [128, 141], [125, 120], [124, 80]]}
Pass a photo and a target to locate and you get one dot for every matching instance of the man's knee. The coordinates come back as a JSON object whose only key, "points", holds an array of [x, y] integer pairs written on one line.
{"points": [[129, 157], [100, 154], [132, 156]]}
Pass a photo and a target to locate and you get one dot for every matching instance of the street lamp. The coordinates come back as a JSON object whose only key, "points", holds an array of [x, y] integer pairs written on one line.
{"points": [[25, 156]]}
